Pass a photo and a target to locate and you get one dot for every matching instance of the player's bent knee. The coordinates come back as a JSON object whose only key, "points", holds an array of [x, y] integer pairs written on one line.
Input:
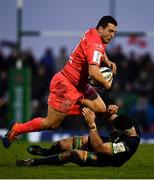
{"points": [[99, 108]]}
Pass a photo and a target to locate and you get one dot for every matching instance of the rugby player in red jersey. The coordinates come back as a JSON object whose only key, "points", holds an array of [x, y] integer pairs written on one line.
{"points": [[68, 88]]}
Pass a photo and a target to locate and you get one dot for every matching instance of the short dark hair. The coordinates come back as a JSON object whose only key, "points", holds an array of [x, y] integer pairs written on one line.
{"points": [[105, 20], [123, 122]]}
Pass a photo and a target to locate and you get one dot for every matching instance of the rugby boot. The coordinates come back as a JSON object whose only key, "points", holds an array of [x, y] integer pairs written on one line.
{"points": [[36, 150], [28, 162], [10, 136]]}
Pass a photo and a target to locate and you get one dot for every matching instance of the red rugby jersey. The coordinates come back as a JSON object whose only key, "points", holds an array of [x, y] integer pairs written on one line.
{"points": [[90, 50]]}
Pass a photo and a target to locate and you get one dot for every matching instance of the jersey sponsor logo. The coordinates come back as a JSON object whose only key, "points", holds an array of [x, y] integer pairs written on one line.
{"points": [[118, 147], [97, 57]]}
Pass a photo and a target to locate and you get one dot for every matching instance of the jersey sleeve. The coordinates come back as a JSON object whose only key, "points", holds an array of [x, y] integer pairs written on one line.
{"points": [[94, 55], [94, 50]]}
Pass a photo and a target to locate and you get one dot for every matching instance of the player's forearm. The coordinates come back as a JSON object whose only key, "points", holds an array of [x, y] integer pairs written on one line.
{"points": [[110, 64], [98, 145], [95, 73], [106, 59], [95, 139]]}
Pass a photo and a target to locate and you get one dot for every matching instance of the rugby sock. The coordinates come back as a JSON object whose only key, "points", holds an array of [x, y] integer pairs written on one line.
{"points": [[54, 149], [30, 126], [60, 159], [77, 142], [50, 160]]}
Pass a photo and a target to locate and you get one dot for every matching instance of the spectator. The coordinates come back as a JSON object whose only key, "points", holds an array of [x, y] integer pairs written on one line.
{"points": [[48, 61], [29, 60], [62, 58], [150, 114]]}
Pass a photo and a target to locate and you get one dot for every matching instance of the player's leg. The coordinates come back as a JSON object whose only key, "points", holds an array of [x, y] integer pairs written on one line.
{"points": [[76, 142], [93, 100], [80, 157], [58, 159], [52, 121], [90, 99], [63, 95], [84, 158], [56, 148], [96, 105]]}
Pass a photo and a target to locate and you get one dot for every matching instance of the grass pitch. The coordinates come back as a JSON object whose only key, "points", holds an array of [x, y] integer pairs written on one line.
{"points": [[141, 166]]}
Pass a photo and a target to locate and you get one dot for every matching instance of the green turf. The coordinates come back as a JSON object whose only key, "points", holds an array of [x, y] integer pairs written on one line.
{"points": [[141, 166]]}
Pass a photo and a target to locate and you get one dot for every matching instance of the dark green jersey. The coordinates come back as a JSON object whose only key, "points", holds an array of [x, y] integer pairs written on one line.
{"points": [[123, 148]]}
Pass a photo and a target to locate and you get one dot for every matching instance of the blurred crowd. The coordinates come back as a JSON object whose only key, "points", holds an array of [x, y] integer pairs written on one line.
{"points": [[132, 88]]}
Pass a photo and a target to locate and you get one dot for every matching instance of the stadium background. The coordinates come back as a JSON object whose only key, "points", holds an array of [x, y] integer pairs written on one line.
{"points": [[54, 27]]}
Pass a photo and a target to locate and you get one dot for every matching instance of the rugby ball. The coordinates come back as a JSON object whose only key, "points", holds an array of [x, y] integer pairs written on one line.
{"points": [[106, 73]]}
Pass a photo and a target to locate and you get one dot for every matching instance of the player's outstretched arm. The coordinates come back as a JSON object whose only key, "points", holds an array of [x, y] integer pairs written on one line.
{"points": [[96, 141]]}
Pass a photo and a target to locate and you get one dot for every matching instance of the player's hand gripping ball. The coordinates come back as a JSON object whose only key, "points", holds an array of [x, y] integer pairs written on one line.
{"points": [[106, 73]]}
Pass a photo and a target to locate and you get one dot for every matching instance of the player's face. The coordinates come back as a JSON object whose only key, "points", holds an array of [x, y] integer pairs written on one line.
{"points": [[108, 33]]}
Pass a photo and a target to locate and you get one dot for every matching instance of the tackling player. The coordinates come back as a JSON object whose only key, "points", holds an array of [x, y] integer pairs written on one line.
{"points": [[68, 88], [92, 150]]}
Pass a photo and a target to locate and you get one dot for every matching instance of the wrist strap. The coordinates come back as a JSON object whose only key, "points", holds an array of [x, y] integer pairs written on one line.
{"points": [[92, 126]]}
